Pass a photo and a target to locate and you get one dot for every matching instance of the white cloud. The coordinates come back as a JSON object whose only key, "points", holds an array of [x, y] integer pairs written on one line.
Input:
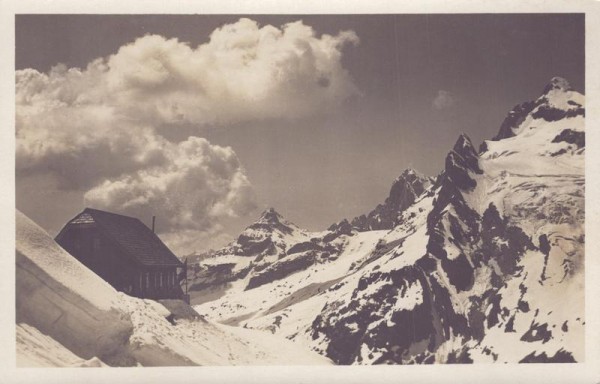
{"points": [[103, 129], [243, 73], [443, 100], [197, 185]]}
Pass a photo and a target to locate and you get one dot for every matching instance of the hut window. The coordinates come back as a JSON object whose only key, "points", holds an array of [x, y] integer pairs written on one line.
{"points": [[155, 279], [161, 283], [147, 279], [141, 281]]}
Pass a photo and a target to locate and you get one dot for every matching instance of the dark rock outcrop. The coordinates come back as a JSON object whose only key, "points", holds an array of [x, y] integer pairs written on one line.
{"points": [[281, 269], [337, 230], [303, 247], [451, 210], [561, 356], [537, 332], [460, 162], [557, 83], [514, 118], [405, 190], [572, 137]]}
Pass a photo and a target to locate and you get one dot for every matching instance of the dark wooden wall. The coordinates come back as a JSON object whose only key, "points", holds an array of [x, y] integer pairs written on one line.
{"points": [[88, 245]]}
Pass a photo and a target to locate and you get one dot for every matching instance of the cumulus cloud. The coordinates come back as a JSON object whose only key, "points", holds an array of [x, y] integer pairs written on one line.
{"points": [[197, 185], [244, 72], [443, 100], [104, 129]]}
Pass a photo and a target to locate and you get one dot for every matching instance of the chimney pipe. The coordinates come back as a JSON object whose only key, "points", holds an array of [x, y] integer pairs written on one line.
{"points": [[153, 221]]}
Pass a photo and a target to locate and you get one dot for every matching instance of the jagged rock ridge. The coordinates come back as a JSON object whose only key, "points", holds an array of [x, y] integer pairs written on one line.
{"points": [[405, 190]]}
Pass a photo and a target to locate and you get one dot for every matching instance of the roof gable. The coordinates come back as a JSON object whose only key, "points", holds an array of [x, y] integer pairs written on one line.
{"points": [[83, 218], [132, 236]]}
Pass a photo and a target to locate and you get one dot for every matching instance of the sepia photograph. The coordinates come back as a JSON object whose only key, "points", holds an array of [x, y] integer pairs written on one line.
{"points": [[300, 189]]}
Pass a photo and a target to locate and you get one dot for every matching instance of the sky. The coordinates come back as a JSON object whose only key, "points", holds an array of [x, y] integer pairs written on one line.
{"points": [[205, 121]]}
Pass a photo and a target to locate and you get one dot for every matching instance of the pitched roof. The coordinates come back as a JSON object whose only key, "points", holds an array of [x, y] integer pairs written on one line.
{"points": [[135, 238]]}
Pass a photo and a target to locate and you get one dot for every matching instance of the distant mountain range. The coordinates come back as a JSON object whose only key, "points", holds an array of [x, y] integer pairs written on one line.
{"points": [[484, 263]]}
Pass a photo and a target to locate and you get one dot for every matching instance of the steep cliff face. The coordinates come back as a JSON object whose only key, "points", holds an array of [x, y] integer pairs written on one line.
{"points": [[484, 264]]}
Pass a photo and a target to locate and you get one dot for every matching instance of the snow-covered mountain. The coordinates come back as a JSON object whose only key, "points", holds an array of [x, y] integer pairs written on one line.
{"points": [[272, 248], [483, 264], [269, 250]]}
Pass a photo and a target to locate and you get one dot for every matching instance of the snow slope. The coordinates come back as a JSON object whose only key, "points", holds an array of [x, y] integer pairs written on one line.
{"points": [[67, 315], [239, 304], [34, 349]]}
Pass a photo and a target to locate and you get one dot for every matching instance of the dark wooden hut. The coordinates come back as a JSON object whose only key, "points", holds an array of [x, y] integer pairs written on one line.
{"points": [[124, 252]]}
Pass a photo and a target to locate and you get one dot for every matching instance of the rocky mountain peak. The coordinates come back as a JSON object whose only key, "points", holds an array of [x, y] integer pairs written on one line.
{"points": [[411, 177], [558, 101], [557, 83], [404, 192], [409, 172], [464, 146], [460, 162], [270, 216], [264, 236], [409, 185], [465, 149]]}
